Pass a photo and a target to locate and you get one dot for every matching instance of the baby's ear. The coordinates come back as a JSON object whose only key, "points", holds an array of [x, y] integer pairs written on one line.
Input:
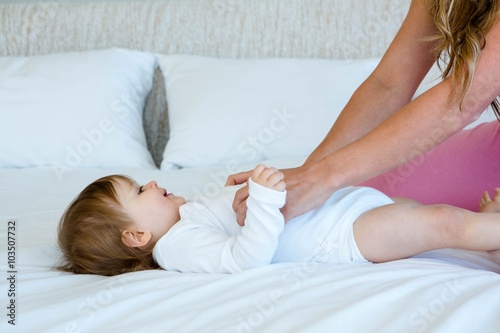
{"points": [[135, 238]]}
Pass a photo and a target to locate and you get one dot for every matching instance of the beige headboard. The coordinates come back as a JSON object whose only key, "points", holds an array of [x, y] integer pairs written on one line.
{"points": [[337, 29]]}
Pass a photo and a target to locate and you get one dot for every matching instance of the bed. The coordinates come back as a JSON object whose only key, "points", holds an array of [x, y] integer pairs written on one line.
{"points": [[187, 92]]}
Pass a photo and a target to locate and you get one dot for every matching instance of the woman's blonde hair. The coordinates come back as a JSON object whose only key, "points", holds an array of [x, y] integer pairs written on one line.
{"points": [[90, 233], [462, 26]]}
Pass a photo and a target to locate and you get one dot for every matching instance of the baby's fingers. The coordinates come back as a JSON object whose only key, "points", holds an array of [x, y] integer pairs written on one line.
{"points": [[258, 171], [268, 173], [280, 186], [269, 177], [274, 179]]}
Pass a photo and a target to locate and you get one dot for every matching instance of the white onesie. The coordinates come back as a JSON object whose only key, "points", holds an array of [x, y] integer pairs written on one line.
{"points": [[208, 239]]}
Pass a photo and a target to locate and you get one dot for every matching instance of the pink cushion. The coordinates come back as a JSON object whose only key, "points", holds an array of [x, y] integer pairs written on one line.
{"points": [[456, 172]]}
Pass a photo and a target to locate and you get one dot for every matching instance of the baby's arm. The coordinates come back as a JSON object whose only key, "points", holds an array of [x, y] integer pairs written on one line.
{"points": [[258, 239]]}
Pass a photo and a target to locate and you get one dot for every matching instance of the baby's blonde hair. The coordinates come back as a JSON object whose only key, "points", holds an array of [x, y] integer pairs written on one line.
{"points": [[90, 233], [462, 25]]}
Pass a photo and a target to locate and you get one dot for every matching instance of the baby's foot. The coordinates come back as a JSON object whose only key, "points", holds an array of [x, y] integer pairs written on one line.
{"points": [[488, 205]]}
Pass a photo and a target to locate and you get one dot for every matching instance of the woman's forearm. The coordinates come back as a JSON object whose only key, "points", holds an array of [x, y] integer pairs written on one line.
{"points": [[411, 131], [369, 106], [361, 146], [391, 85], [415, 129]]}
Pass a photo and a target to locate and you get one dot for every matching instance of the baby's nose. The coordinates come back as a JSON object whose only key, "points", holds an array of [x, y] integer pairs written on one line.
{"points": [[152, 184]]}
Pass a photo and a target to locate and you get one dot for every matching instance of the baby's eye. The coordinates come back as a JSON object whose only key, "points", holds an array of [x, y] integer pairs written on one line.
{"points": [[140, 190]]}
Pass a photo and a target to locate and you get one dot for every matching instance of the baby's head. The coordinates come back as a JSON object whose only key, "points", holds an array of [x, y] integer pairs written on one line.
{"points": [[113, 224]]}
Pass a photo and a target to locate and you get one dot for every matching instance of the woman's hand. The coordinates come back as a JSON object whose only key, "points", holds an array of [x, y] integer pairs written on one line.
{"points": [[269, 177], [240, 197], [305, 191], [238, 178]]}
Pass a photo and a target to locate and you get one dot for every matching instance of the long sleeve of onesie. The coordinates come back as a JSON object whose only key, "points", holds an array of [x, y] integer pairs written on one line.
{"points": [[198, 243]]}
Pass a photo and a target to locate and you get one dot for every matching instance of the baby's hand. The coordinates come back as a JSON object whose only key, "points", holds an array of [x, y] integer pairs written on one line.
{"points": [[269, 177]]}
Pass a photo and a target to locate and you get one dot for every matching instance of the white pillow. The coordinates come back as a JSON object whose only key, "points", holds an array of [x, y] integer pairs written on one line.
{"points": [[229, 111], [75, 110]]}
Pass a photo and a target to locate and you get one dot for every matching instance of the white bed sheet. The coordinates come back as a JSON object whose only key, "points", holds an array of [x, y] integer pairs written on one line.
{"points": [[439, 291]]}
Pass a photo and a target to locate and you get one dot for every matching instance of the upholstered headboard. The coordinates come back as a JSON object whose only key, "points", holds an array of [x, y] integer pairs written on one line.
{"points": [[338, 29]]}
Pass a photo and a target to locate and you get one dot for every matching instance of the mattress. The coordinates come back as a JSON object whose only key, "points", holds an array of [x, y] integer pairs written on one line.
{"points": [[439, 291]]}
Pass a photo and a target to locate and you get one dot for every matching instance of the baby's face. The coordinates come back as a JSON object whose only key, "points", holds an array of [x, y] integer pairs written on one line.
{"points": [[151, 207]]}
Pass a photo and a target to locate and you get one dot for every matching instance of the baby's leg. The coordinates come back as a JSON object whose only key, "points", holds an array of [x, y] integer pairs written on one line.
{"points": [[401, 230]]}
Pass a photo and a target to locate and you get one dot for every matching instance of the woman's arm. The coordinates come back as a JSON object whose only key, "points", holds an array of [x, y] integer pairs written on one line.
{"points": [[386, 90], [391, 85], [416, 128], [380, 128]]}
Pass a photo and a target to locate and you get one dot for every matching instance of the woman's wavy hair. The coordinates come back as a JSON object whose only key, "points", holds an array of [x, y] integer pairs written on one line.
{"points": [[462, 26], [90, 233]]}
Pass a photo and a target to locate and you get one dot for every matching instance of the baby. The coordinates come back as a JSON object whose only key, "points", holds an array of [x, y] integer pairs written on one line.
{"points": [[116, 226]]}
